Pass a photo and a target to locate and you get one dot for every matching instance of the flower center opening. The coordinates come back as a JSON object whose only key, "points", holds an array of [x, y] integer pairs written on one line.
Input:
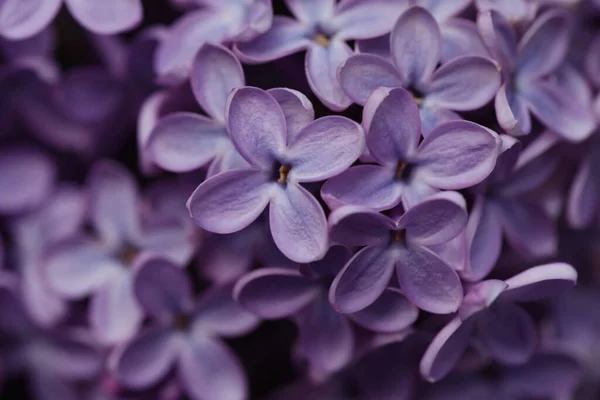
{"points": [[321, 39], [128, 253], [281, 172], [182, 322], [397, 236], [416, 94], [403, 170]]}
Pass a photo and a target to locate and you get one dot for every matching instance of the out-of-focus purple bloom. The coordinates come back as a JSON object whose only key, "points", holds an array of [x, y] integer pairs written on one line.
{"points": [[425, 279], [185, 335], [584, 194], [20, 19], [101, 265], [283, 149], [216, 21], [541, 50], [456, 155], [462, 84], [504, 330], [322, 28], [326, 338]]}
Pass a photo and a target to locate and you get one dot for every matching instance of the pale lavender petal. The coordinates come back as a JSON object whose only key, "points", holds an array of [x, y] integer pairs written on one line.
{"points": [[574, 82], [72, 355], [298, 223], [362, 280], [108, 17], [311, 11], [508, 333], [148, 116], [446, 349], [361, 74], [460, 37], [464, 83], [499, 37], [161, 288], [208, 369], [115, 315], [358, 226], [512, 10], [379, 46], [274, 292], [114, 202], [541, 282], [44, 306], [394, 129], [360, 19], [427, 281], [432, 117], [435, 220], [544, 46], [369, 186], [324, 148], [256, 125], [391, 312], [296, 107], [416, 45], [183, 141], [321, 67], [584, 196], [20, 19], [559, 111], [454, 252], [230, 201], [458, 154], [512, 112], [480, 296], [215, 73], [442, 9], [145, 360], [286, 36]]}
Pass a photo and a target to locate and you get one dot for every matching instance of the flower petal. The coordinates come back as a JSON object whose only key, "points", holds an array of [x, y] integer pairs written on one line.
{"points": [[435, 220], [146, 359], [394, 128], [499, 37], [361, 74], [296, 107], [230, 201], [508, 333], [541, 282], [256, 125], [215, 73], [464, 83], [183, 141], [161, 288], [44, 306], [480, 296], [362, 280], [460, 37], [311, 11], [368, 186], [359, 226], [584, 195], [298, 224], [427, 281], [21, 19], [208, 369], [391, 312], [432, 117], [321, 67], [442, 10], [458, 154], [446, 349], [106, 18], [416, 45], [286, 36], [274, 292], [360, 19], [324, 148], [512, 112]]}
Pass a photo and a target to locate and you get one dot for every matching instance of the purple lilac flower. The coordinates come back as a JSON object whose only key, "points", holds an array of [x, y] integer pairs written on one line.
{"points": [[322, 28], [424, 278], [326, 338], [101, 265], [20, 19], [216, 21], [584, 194], [462, 84], [455, 155], [282, 153], [541, 50], [504, 330], [185, 336]]}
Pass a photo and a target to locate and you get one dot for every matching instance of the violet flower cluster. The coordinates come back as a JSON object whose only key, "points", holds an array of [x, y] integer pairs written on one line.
{"points": [[299, 199]]}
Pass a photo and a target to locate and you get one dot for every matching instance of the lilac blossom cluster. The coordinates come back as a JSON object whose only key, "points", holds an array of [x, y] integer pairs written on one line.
{"points": [[299, 199]]}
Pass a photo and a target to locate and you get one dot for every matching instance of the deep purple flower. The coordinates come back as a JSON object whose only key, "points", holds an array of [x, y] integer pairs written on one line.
{"points": [[504, 330], [101, 265], [20, 19], [322, 28], [283, 150], [462, 84], [424, 278], [455, 155], [216, 21], [185, 336], [326, 338], [541, 50]]}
